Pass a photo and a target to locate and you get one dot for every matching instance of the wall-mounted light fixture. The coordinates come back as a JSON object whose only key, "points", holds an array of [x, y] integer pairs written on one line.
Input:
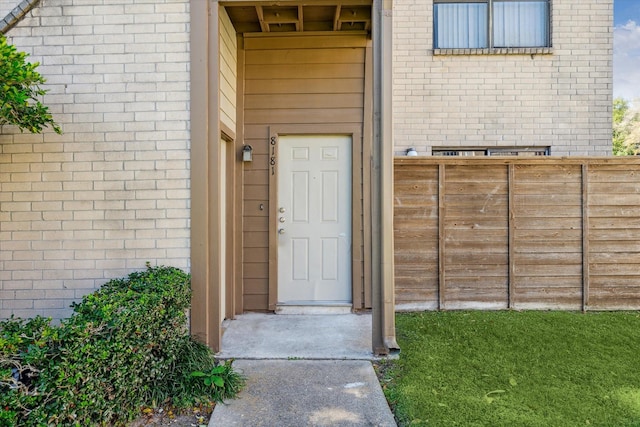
{"points": [[411, 152], [247, 153]]}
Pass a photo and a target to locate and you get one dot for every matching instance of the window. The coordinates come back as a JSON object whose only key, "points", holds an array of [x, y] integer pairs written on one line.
{"points": [[482, 24], [495, 151]]}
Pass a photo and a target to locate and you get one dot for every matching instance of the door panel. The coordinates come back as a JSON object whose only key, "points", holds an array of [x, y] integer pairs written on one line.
{"points": [[314, 219]]}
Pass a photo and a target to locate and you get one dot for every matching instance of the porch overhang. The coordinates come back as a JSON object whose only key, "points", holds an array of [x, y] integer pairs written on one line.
{"points": [[299, 16], [286, 16]]}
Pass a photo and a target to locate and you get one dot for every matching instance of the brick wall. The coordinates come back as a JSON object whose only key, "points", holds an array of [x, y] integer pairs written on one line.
{"points": [[112, 192], [562, 99]]}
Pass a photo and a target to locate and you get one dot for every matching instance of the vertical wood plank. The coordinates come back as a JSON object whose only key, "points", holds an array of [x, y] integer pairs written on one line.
{"points": [[200, 245], [441, 236], [585, 236], [367, 140], [230, 243], [512, 238], [214, 309], [356, 222], [239, 183]]}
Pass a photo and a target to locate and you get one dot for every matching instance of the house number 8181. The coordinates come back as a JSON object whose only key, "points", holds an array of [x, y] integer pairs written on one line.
{"points": [[272, 160]]}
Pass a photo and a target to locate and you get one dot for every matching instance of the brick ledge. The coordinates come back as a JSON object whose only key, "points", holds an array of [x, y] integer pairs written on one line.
{"points": [[496, 51]]}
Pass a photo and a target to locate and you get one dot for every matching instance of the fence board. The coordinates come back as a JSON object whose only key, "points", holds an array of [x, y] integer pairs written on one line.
{"points": [[552, 282], [416, 237], [551, 199], [548, 222], [543, 247], [533, 233]]}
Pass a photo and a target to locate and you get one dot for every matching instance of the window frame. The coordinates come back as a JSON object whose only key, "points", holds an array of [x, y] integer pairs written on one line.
{"points": [[547, 48], [480, 151]]}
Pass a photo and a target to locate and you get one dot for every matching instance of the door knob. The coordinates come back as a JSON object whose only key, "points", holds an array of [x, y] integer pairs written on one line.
{"points": [[282, 219], [282, 210], [281, 231]]}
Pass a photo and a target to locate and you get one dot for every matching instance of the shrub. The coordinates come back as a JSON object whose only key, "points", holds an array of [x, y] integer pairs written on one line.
{"points": [[20, 92], [126, 346]]}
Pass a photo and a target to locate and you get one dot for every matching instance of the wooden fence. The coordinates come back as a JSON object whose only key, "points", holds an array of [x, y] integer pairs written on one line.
{"points": [[520, 233]]}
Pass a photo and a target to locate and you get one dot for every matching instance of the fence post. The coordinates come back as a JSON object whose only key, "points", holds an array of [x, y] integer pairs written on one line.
{"points": [[441, 236], [512, 238], [585, 235]]}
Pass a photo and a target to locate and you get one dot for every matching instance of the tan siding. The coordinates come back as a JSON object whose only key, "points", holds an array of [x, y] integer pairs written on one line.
{"points": [[311, 42], [314, 83], [256, 302], [306, 56], [322, 101], [319, 116], [228, 73], [280, 86], [304, 71]]}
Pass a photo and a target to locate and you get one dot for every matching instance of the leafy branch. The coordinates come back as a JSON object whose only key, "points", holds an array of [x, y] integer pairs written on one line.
{"points": [[20, 92], [626, 128]]}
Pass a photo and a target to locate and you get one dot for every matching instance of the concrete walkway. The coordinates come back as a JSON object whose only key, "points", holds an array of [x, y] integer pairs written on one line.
{"points": [[302, 370]]}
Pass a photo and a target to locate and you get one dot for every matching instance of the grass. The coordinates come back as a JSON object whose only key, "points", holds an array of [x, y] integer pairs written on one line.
{"points": [[517, 369]]}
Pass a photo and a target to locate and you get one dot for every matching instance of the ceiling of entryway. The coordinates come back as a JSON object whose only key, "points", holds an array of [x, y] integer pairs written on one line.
{"points": [[299, 16]]}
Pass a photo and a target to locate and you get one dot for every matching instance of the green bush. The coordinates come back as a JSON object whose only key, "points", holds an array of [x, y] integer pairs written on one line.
{"points": [[126, 346], [20, 92]]}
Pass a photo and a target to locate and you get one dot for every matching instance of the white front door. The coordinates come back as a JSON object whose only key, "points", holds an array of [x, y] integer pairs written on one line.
{"points": [[314, 219]]}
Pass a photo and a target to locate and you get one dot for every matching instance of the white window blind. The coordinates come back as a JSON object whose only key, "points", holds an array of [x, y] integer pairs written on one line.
{"points": [[461, 25], [520, 23], [491, 24]]}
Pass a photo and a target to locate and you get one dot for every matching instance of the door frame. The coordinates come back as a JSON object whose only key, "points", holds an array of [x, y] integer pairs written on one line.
{"points": [[359, 187]]}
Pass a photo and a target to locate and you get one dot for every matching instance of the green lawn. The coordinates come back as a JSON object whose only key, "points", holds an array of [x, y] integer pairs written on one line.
{"points": [[517, 369]]}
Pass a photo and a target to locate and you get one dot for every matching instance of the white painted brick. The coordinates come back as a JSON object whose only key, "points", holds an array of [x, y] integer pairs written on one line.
{"points": [[103, 62], [489, 100]]}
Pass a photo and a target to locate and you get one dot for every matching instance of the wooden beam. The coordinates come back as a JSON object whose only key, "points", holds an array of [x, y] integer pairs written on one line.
{"points": [[367, 141], [300, 23], [199, 149], [336, 18], [385, 90], [263, 25], [356, 220], [214, 292], [295, 2], [383, 298]]}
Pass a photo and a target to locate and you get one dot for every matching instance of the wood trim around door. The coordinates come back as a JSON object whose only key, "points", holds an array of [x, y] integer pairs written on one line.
{"points": [[357, 190]]}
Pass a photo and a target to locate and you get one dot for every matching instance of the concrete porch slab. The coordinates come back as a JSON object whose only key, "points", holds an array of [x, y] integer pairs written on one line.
{"points": [[279, 336]]}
